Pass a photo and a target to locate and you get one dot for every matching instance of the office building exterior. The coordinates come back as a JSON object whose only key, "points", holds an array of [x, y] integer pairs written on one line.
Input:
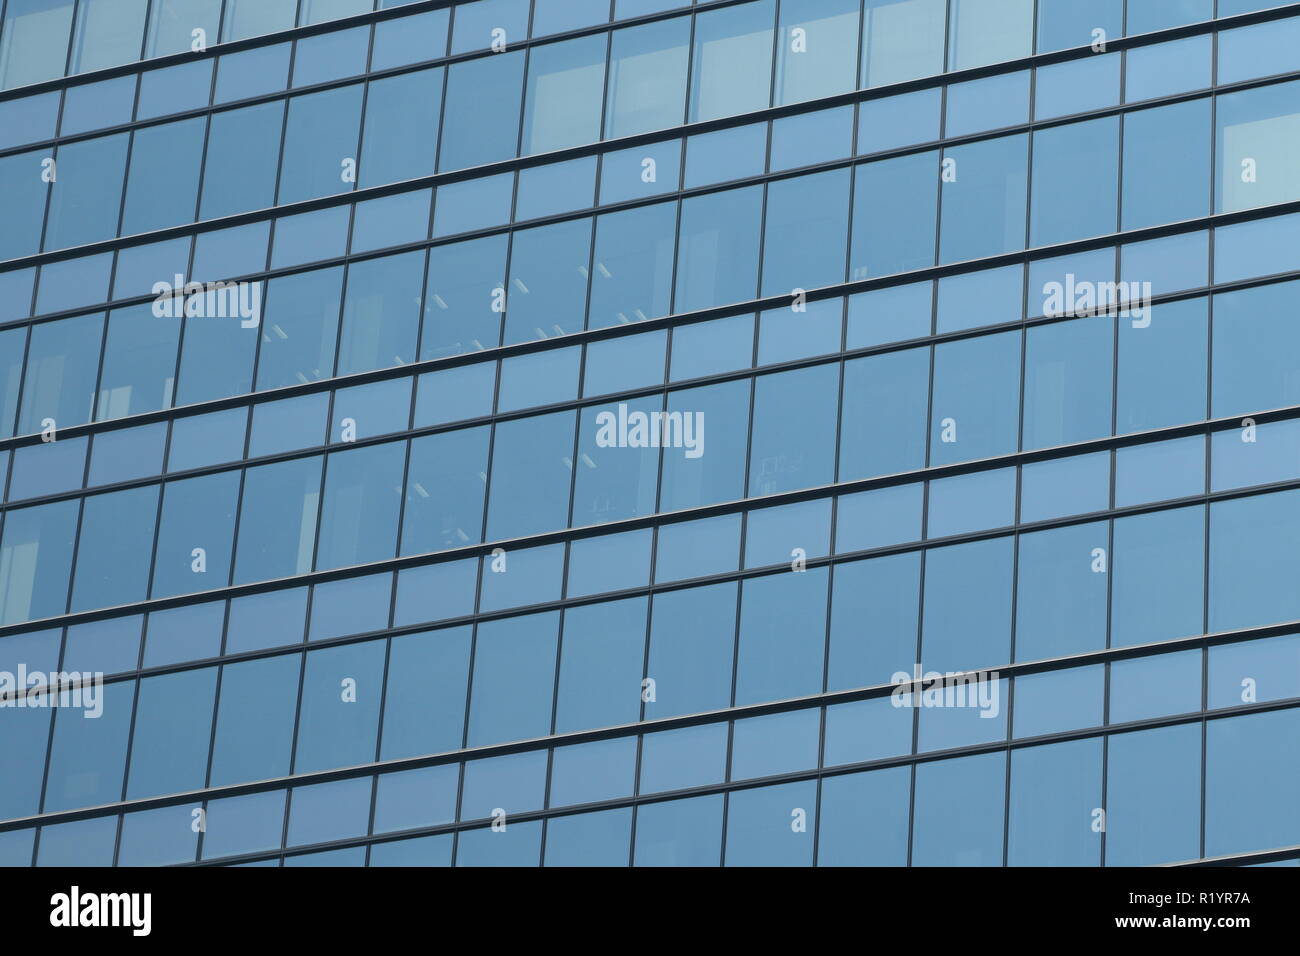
{"points": [[623, 432]]}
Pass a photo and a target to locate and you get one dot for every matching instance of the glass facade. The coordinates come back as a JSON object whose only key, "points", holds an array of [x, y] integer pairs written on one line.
{"points": [[617, 432]]}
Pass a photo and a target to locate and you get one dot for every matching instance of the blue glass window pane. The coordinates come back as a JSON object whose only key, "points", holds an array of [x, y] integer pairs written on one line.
{"points": [[875, 519], [901, 40], [1259, 670], [691, 549], [592, 772], [893, 314], [158, 837], [320, 138], [400, 139], [97, 105], [772, 826], [174, 89], [455, 394], [990, 103], [409, 39], [609, 563], [1061, 359], [379, 408], [85, 199], [976, 398], [169, 752], [1146, 687], [73, 283], [958, 814], [717, 256], [466, 285], [473, 204], [127, 454], [629, 361], [515, 783], [424, 704], [868, 730], [974, 502], [246, 824], [88, 757], [782, 646], [207, 439], [445, 486], [1061, 600], [1072, 23], [255, 721], [894, 121], [795, 531], [277, 516], [885, 397], [691, 640], [301, 321], [1060, 700], [350, 606], [470, 138], [236, 178], [381, 317], [113, 552], [1066, 486], [266, 620], [338, 721], [189, 633], [288, 424], [514, 668], [419, 851], [1086, 155], [330, 56], [1077, 86], [226, 253], [1163, 601], [250, 18], [416, 798], [24, 196], [329, 811], [806, 228], [1259, 50], [1054, 793], [109, 646], [79, 843], [1145, 16], [732, 61], [680, 832], [310, 237], [967, 605], [726, 154], [197, 513], [793, 443], [641, 171], [564, 94], [863, 819], [1170, 264], [1250, 549], [540, 378], [1254, 358], [988, 191], [633, 264], [528, 576], [520, 844], [531, 474], [29, 119], [775, 744], [1161, 470], [1252, 782], [602, 654], [436, 592], [361, 506], [559, 187], [589, 839], [900, 192], [1168, 68], [1153, 796], [48, 468], [689, 757], [1156, 192], [250, 73], [35, 561]]}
